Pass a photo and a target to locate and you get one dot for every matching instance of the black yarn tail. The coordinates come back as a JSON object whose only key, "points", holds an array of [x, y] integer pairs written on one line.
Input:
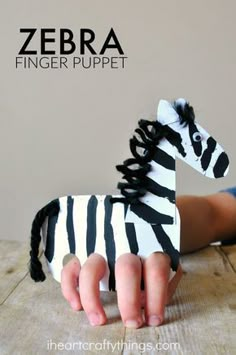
{"points": [[35, 266]]}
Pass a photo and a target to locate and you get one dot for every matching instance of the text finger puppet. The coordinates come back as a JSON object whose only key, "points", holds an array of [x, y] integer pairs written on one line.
{"points": [[144, 218]]}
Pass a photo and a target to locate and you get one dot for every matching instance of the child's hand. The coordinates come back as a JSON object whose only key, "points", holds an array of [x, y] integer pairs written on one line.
{"points": [[128, 270]]}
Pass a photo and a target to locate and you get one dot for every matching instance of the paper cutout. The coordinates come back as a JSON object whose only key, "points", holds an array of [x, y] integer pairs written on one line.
{"points": [[144, 219]]}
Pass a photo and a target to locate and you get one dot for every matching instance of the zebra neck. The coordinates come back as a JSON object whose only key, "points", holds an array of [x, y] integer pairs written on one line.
{"points": [[158, 204]]}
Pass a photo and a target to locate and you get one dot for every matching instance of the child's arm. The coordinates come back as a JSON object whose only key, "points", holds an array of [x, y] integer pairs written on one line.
{"points": [[206, 219]]}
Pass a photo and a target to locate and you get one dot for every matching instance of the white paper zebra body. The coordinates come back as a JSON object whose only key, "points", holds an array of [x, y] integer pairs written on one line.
{"points": [[87, 224]]}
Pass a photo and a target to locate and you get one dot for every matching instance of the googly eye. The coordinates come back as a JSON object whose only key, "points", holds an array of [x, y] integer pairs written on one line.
{"points": [[197, 137]]}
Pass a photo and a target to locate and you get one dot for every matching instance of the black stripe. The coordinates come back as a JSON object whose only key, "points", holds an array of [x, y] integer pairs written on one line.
{"points": [[50, 241], [126, 205], [207, 154], [175, 139], [131, 236], [70, 225], [150, 215], [197, 146], [228, 241], [167, 246], [110, 243], [132, 240], [91, 224], [221, 165], [159, 190], [164, 159]]}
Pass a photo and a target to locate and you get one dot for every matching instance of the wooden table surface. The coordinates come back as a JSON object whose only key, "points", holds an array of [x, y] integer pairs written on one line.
{"points": [[35, 319]]}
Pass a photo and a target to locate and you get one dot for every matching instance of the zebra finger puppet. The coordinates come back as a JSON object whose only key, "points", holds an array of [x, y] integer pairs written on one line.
{"points": [[144, 218]]}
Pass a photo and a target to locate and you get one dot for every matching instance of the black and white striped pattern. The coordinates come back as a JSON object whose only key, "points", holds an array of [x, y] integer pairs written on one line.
{"points": [[88, 224]]}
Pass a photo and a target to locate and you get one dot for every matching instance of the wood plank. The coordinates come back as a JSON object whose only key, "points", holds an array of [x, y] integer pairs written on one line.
{"points": [[50, 323], [208, 260], [201, 318], [200, 321], [230, 253], [14, 257]]}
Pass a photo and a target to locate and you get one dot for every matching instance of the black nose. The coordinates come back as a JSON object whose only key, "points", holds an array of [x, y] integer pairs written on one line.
{"points": [[221, 165]]}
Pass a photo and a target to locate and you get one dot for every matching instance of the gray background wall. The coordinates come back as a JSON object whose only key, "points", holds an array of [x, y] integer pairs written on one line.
{"points": [[62, 132]]}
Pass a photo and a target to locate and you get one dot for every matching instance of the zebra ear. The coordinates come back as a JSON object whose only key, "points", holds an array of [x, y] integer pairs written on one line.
{"points": [[166, 114]]}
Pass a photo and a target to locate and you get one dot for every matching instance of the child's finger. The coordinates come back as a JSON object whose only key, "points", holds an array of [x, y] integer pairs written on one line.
{"points": [[128, 277], [156, 270], [173, 284], [69, 283], [91, 273]]}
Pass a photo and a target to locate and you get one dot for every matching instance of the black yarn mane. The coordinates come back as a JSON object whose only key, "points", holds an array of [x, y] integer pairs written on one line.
{"points": [[150, 133], [186, 113]]}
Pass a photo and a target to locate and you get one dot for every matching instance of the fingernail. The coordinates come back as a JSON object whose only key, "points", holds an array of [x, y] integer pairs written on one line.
{"points": [[154, 320], [133, 323], [94, 319]]}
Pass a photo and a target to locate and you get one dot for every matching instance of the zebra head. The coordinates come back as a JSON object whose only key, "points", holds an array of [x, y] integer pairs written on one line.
{"points": [[192, 143]]}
